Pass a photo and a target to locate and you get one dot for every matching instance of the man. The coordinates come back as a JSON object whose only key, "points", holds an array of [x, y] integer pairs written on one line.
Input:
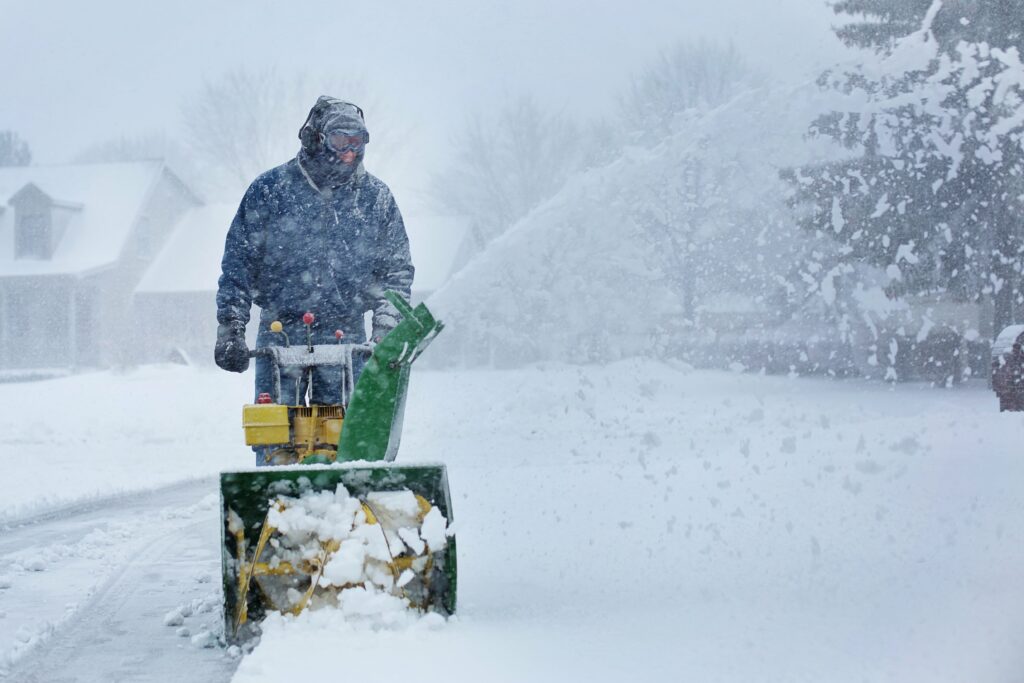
{"points": [[316, 234]]}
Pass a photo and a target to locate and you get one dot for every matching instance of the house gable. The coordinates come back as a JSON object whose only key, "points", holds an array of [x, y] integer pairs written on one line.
{"points": [[40, 222], [76, 280], [87, 212]]}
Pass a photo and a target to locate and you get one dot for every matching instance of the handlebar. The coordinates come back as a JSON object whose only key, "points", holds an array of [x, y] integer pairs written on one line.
{"points": [[322, 354], [305, 359]]}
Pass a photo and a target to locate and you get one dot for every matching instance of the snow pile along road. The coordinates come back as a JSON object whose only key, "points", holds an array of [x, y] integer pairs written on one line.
{"points": [[99, 434]]}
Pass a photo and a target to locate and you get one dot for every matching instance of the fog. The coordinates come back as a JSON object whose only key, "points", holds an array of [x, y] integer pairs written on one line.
{"points": [[731, 376], [504, 125], [115, 69]]}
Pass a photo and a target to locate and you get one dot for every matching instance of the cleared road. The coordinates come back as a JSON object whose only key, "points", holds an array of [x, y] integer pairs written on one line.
{"points": [[90, 588]]}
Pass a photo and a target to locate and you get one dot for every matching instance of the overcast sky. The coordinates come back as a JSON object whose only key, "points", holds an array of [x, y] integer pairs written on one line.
{"points": [[77, 73]]}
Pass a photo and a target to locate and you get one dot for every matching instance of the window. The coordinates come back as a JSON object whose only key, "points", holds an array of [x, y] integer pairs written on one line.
{"points": [[33, 238], [145, 245]]}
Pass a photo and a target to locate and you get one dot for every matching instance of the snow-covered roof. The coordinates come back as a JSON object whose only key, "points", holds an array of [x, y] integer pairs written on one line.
{"points": [[190, 260], [110, 197]]}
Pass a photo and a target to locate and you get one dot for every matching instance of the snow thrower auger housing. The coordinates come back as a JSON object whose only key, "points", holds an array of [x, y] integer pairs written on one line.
{"points": [[333, 518]]}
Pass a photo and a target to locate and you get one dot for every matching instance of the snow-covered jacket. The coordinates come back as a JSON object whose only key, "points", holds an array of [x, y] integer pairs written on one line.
{"points": [[293, 248]]}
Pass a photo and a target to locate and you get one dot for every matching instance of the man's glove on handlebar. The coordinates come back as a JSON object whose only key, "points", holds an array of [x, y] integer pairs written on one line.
{"points": [[382, 325], [231, 353], [379, 332]]}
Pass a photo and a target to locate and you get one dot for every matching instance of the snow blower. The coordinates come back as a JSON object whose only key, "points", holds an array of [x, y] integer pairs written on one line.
{"points": [[334, 521]]}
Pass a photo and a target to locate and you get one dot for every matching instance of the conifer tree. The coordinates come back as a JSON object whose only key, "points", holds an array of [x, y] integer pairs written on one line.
{"points": [[935, 190], [13, 150]]}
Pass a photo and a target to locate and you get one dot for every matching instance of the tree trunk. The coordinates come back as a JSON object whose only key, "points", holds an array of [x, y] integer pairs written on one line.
{"points": [[1006, 254]]}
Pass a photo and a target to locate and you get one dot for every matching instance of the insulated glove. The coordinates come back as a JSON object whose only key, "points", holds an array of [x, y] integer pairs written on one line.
{"points": [[383, 324], [231, 353], [379, 333], [381, 327]]}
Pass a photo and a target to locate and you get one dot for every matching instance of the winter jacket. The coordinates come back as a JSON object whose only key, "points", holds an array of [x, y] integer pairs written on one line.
{"points": [[293, 247]]}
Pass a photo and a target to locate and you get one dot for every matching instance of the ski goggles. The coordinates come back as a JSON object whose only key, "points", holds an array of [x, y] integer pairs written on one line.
{"points": [[343, 141]]}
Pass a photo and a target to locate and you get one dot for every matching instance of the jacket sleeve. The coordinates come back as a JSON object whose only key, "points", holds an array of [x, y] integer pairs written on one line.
{"points": [[236, 287], [393, 269]]}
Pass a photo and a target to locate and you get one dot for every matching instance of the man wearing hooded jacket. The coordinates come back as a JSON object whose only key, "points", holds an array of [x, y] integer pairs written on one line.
{"points": [[316, 234]]}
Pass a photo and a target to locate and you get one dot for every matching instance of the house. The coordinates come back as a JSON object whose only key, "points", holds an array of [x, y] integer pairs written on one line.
{"points": [[175, 301], [75, 240], [434, 240]]}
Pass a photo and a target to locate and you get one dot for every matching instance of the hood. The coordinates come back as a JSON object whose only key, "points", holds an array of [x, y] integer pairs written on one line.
{"points": [[320, 163]]}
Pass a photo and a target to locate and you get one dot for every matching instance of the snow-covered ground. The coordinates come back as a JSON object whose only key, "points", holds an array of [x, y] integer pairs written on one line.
{"points": [[123, 589], [103, 433], [628, 522]]}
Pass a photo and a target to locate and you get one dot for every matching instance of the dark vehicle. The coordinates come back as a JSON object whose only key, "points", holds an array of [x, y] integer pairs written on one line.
{"points": [[1008, 368]]}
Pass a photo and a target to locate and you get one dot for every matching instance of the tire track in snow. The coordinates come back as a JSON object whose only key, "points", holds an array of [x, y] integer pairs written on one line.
{"points": [[117, 632], [69, 522]]}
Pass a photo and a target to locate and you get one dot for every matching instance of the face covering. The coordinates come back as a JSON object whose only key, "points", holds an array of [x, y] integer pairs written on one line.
{"points": [[332, 124]]}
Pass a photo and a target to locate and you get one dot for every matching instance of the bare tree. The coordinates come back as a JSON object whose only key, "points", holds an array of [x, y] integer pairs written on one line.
{"points": [[13, 150], [686, 213], [247, 122], [125, 148], [687, 76], [504, 167]]}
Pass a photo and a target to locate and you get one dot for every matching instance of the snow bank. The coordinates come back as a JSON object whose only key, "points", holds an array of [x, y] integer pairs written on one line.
{"points": [[637, 521], [99, 434]]}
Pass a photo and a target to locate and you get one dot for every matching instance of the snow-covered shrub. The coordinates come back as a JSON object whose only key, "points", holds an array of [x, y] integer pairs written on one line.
{"points": [[933, 192]]}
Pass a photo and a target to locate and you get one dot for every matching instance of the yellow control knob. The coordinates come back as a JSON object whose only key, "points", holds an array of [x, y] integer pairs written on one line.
{"points": [[276, 326]]}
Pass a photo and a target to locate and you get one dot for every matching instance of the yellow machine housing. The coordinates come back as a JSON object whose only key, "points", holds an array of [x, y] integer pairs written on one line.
{"points": [[300, 431], [265, 424], [316, 427]]}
